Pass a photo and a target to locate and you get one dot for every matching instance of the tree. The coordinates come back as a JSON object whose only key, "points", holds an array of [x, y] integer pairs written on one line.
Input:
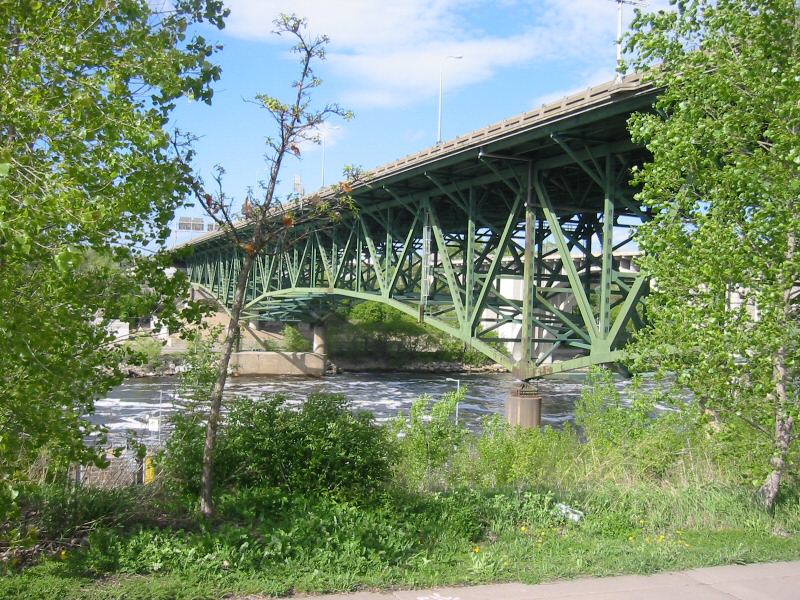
{"points": [[88, 183], [269, 221], [724, 187]]}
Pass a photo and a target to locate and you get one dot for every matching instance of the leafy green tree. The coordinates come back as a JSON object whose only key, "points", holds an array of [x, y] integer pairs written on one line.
{"points": [[724, 186], [270, 221], [89, 179], [293, 340]]}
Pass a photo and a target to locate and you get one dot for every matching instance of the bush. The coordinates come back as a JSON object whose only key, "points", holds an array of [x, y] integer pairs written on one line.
{"points": [[321, 447], [294, 341], [611, 441], [376, 331], [144, 350], [427, 442]]}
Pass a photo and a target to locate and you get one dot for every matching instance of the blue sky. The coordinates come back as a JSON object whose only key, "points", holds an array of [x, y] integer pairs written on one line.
{"points": [[383, 63]]}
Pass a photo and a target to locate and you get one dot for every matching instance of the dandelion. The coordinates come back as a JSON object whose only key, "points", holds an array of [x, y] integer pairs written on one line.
{"points": [[523, 529], [62, 555], [476, 549]]}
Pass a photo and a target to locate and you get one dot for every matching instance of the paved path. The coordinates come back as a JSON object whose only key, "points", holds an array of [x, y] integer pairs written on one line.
{"points": [[770, 581]]}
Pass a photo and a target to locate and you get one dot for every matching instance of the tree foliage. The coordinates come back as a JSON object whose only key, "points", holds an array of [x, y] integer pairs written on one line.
{"points": [[269, 221], [89, 180], [724, 186]]}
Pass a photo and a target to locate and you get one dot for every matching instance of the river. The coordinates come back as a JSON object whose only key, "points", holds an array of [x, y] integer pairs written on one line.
{"points": [[143, 405]]}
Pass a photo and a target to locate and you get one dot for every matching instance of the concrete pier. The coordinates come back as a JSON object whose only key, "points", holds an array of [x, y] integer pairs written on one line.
{"points": [[524, 407], [320, 341], [278, 363]]}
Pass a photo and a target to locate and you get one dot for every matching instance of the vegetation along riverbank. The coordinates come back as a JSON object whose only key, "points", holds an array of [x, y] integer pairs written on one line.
{"points": [[323, 499]]}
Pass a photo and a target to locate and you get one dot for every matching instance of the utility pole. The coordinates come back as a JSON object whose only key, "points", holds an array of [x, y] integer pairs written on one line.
{"points": [[618, 78]]}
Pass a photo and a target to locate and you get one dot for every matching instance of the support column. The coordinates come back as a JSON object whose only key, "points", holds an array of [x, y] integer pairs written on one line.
{"points": [[607, 264], [524, 407], [320, 343], [528, 276]]}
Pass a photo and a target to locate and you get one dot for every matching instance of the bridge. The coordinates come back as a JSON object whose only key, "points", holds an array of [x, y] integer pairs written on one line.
{"points": [[514, 235]]}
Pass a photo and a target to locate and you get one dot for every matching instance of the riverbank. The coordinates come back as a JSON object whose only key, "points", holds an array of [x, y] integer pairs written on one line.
{"points": [[343, 365], [314, 497], [173, 366]]}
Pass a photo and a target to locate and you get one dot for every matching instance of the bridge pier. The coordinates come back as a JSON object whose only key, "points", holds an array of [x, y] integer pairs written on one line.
{"points": [[320, 341], [524, 407]]}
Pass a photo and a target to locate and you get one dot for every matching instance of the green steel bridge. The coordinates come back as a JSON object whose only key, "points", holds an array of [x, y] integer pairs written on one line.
{"points": [[510, 236]]}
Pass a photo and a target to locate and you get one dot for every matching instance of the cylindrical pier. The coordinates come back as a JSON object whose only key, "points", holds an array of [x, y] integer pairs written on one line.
{"points": [[320, 343], [524, 406]]}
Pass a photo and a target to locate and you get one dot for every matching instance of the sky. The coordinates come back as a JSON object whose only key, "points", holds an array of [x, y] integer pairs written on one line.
{"points": [[384, 62]]}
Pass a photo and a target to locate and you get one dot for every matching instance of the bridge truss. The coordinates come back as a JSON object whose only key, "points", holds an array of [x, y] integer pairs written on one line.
{"points": [[511, 236]]}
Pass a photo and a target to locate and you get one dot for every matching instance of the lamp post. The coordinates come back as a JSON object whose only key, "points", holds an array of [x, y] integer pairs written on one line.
{"points": [[441, 86], [638, 3], [458, 389]]}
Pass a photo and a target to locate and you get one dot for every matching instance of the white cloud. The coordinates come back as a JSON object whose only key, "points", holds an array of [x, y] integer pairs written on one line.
{"points": [[391, 53], [326, 133]]}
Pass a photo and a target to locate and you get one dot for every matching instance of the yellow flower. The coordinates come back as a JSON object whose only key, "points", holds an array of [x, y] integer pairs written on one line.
{"points": [[476, 549], [523, 529], [62, 555]]}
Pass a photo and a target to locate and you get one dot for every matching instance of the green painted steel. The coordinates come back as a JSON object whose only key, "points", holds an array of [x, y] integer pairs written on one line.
{"points": [[515, 246]]}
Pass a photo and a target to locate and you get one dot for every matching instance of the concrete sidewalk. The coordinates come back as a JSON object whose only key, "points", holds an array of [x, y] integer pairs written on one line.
{"points": [[770, 581]]}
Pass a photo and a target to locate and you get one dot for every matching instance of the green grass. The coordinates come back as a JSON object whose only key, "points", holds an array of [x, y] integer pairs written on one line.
{"points": [[266, 542], [513, 558]]}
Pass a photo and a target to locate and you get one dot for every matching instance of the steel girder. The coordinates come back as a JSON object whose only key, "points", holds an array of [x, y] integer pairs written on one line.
{"points": [[520, 248]]}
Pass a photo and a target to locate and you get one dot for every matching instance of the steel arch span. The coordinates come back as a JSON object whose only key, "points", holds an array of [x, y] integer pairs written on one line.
{"points": [[516, 237]]}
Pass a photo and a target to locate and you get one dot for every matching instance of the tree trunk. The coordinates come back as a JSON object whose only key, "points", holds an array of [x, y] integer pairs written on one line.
{"points": [[770, 488], [231, 335], [784, 422]]}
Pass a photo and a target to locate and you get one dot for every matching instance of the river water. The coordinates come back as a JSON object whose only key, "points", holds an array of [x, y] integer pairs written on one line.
{"points": [[143, 405]]}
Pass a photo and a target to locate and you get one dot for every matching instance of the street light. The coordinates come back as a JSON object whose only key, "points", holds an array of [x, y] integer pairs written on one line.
{"points": [[638, 3], [458, 389], [441, 78]]}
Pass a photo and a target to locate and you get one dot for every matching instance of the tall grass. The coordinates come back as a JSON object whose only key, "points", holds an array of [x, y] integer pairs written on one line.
{"points": [[666, 468]]}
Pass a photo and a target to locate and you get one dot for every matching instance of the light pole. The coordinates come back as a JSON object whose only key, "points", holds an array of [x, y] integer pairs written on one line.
{"points": [[458, 389], [441, 85], [640, 3]]}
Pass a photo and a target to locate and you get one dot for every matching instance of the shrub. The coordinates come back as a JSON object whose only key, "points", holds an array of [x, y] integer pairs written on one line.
{"points": [[144, 350], [427, 442], [321, 447], [632, 441], [294, 341], [376, 331]]}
